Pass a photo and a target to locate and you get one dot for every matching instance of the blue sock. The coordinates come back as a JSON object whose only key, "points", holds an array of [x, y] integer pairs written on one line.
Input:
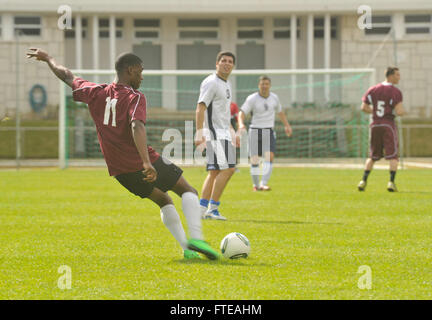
{"points": [[204, 202]]}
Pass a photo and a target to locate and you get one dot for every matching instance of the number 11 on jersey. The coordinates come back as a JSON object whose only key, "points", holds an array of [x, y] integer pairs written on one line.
{"points": [[110, 107]]}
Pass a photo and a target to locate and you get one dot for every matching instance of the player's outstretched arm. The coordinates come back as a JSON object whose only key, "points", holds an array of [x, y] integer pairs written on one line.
{"points": [[60, 71], [139, 135]]}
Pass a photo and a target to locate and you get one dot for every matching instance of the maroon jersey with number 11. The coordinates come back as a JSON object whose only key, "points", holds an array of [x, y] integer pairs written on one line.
{"points": [[113, 107]]}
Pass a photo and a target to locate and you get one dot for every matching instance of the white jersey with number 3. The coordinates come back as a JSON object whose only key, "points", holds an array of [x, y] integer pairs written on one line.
{"points": [[263, 109], [215, 93]]}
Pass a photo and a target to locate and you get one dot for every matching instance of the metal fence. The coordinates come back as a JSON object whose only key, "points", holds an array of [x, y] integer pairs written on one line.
{"points": [[42, 143]]}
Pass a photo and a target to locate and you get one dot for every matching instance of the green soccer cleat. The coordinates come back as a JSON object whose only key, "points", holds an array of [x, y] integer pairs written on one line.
{"points": [[203, 247], [391, 187], [190, 254]]}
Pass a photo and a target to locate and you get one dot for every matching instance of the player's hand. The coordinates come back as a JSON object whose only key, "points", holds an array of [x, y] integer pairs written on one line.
{"points": [[288, 131], [237, 141], [149, 172], [39, 54], [241, 130]]}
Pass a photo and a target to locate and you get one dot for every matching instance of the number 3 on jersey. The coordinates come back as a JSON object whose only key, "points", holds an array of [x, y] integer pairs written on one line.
{"points": [[110, 107], [380, 108]]}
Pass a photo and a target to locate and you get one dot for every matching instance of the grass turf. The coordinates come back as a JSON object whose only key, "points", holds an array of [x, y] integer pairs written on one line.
{"points": [[309, 237]]}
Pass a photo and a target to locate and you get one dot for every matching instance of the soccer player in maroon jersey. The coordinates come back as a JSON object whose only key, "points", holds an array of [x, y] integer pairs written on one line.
{"points": [[119, 113], [383, 101]]}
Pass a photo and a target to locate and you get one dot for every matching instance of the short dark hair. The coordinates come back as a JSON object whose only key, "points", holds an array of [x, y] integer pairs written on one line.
{"points": [[225, 53], [390, 71], [262, 78], [126, 60]]}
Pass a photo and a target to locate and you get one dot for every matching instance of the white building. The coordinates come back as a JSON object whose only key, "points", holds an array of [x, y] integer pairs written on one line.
{"points": [[187, 34]]}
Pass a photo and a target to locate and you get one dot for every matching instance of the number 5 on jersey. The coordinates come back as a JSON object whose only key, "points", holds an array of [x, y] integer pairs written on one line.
{"points": [[110, 107], [380, 108]]}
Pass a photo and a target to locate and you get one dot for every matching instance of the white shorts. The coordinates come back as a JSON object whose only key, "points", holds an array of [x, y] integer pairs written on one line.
{"points": [[220, 154]]}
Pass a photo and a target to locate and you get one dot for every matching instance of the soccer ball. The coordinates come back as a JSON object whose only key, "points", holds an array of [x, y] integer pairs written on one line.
{"points": [[235, 245]]}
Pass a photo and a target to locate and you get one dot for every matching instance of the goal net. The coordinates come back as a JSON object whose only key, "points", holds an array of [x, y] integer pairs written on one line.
{"points": [[322, 106]]}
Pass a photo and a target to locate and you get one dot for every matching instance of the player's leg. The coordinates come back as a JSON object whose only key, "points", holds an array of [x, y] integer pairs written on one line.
{"points": [[224, 162], [254, 155], [206, 190], [375, 153], [268, 148], [255, 172], [267, 171], [190, 206], [391, 186], [135, 183], [191, 210], [169, 216], [391, 153]]}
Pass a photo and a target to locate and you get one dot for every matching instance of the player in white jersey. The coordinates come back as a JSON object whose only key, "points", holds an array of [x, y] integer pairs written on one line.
{"points": [[213, 109], [262, 139]]}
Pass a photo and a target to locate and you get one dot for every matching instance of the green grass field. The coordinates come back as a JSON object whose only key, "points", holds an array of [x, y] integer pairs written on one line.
{"points": [[309, 237]]}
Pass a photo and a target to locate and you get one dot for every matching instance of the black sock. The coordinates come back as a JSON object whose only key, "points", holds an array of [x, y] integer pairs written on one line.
{"points": [[366, 175], [392, 175]]}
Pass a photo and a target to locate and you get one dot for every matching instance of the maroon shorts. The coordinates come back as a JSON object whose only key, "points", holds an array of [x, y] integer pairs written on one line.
{"points": [[383, 140]]}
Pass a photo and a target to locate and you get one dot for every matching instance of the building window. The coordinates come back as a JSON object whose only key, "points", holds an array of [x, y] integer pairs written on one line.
{"points": [[198, 28], [250, 29], [380, 25], [70, 34], [146, 28], [418, 24], [104, 28], [319, 28], [27, 25], [282, 28]]}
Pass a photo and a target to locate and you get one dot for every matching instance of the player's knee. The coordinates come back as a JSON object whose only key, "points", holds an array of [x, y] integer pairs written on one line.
{"points": [[160, 198], [230, 171], [193, 190]]}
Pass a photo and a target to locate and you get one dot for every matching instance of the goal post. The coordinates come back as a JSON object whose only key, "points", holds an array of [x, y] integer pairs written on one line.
{"points": [[322, 105]]}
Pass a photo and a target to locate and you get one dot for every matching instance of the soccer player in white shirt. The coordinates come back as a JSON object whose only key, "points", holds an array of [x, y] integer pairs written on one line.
{"points": [[213, 110], [262, 139]]}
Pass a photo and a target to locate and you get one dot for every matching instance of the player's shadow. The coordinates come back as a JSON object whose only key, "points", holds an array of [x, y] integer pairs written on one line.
{"points": [[223, 261], [286, 222]]}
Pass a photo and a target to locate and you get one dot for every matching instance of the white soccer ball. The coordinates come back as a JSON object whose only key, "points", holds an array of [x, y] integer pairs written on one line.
{"points": [[235, 245]]}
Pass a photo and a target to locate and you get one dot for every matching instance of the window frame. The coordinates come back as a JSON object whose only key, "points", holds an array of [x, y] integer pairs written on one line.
{"points": [[251, 28], [286, 29], [29, 26], [136, 29], [198, 28], [379, 25]]}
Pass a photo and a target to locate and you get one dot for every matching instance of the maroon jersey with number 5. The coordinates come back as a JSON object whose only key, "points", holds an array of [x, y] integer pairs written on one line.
{"points": [[113, 107], [383, 97]]}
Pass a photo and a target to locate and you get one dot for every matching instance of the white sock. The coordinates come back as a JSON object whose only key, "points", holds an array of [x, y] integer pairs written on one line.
{"points": [[172, 221], [192, 212], [214, 205], [267, 171], [255, 174]]}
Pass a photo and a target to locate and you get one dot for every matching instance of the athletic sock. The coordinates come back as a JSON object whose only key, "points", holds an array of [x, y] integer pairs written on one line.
{"points": [[267, 171], [255, 174], [392, 176], [214, 205], [366, 175], [171, 220], [191, 210], [203, 205]]}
